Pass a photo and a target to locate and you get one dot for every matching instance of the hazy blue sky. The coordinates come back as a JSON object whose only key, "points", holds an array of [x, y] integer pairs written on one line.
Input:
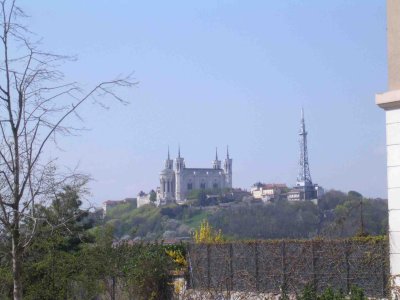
{"points": [[214, 73]]}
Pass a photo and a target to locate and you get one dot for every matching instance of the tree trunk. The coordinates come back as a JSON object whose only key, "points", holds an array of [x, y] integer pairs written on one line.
{"points": [[16, 267]]}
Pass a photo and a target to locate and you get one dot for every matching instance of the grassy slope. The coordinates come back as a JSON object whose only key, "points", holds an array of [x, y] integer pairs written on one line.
{"points": [[337, 215]]}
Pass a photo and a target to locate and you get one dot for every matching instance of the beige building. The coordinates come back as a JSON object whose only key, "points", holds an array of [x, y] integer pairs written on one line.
{"points": [[268, 192]]}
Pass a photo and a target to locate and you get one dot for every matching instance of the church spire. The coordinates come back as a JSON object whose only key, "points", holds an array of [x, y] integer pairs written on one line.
{"points": [[216, 162], [179, 162], [168, 161], [228, 169]]}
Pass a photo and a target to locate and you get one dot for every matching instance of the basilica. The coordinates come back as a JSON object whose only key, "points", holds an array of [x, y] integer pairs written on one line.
{"points": [[176, 183]]}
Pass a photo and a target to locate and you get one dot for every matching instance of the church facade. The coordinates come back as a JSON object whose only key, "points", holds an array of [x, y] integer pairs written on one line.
{"points": [[177, 181]]}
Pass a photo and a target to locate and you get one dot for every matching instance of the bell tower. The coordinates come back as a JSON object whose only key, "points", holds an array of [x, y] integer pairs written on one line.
{"points": [[179, 162], [179, 165], [216, 162], [228, 169], [167, 182]]}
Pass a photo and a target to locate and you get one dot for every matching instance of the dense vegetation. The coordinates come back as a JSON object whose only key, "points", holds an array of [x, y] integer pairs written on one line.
{"points": [[73, 262], [337, 214], [82, 258]]}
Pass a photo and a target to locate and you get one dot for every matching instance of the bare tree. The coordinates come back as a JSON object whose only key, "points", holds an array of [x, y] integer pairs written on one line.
{"points": [[35, 103]]}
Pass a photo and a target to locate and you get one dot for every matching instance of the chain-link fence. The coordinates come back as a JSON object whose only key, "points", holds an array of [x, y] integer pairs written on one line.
{"points": [[288, 266]]}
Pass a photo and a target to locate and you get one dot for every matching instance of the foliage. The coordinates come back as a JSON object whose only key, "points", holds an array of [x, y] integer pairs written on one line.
{"points": [[261, 221], [37, 103], [336, 215], [149, 222], [57, 268], [177, 256], [147, 272], [53, 262], [210, 197], [207, 234], [6, 280], [119, 211], [174, 211], [309, 293], [63, 264], [153, 196]]}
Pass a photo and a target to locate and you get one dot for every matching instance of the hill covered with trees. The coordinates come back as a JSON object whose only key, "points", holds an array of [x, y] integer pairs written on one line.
{"points": [[336, 214]]}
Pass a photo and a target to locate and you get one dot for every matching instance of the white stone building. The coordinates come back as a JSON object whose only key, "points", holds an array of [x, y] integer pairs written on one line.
{"points": [[268, 192], [315, 192], [176, 183], [143, 199]]}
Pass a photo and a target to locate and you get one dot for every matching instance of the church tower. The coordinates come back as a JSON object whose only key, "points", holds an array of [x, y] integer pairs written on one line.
{"points": [[179, 166], [216, 162], [228, 169], [167, 182], [169, 162]]}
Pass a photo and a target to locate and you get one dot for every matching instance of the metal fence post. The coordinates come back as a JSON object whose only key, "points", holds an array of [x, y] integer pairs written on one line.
{"points": [[256, 265], [384, 253], [313, 266], [347, 250], [208, 266], [283, 265], [231, 264]]}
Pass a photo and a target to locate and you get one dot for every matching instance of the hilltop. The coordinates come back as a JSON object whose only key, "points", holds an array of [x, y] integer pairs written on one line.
{"points": [[337, 214]]}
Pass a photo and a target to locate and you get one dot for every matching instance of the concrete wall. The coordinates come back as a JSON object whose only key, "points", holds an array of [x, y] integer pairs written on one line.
{"points": [[390, 102], [393, 177]]}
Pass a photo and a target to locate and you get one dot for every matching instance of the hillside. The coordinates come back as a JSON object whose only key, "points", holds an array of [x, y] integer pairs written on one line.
{"points": [[336, 215]]}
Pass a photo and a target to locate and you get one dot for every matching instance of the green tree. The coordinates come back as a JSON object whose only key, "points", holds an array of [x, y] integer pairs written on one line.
{"points": [[36, 102], [53, 262], [147, 272], [153, 196]]}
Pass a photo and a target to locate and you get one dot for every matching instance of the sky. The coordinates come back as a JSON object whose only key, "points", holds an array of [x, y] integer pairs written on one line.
{"points": [[216, 73]]}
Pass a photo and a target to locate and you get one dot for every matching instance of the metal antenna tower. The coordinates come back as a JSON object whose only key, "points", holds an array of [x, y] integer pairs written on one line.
{"points": [[304, 178]]}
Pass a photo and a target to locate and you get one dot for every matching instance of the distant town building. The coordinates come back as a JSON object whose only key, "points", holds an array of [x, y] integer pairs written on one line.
{"points": [[319, 191], [268, 192], [297, 194], [143, 198], [176, 184], [112, 203]]}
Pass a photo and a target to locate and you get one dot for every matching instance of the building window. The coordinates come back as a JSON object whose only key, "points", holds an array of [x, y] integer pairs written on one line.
{"points": [[190, 186], [215, 185], [203, 185]]}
